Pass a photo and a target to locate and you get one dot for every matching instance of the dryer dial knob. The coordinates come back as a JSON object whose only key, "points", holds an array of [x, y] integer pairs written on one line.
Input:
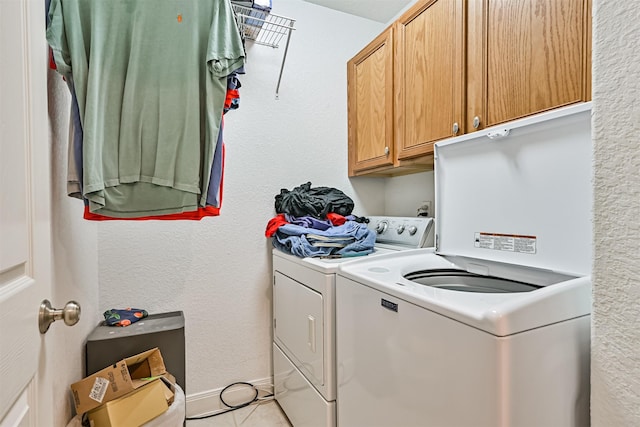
{"points": [[381, 227], [412, 230], [400, 229]]}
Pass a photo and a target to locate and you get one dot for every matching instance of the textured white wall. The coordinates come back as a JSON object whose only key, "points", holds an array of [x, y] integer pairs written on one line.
{"points": [[615, 371], [218, 271], [404, 194], [75, 261]]}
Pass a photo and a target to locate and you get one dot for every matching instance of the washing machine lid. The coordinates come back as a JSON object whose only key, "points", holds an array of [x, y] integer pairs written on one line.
{"points": [[520, 193]]}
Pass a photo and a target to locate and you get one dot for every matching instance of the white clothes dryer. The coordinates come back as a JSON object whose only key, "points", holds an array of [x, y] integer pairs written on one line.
{"points": [[492, 328], [304, 367]]}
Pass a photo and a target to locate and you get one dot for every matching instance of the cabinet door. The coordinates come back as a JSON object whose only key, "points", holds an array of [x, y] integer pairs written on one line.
{"points": [[370, 105], [429, 75], [525, 57]]}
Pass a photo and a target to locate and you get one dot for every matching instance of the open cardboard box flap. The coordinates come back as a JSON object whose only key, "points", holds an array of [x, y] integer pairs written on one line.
{"points": [[118, 379], [168, 380], [146, 364]]}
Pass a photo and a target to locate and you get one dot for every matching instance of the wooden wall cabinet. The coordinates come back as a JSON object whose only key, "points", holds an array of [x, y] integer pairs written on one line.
{"points": [[370, 105], [430, 76], [525, 57], [449, 67]]}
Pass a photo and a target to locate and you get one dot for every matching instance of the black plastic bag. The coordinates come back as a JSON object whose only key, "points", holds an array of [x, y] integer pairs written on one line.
{"points": [[316, 202]]}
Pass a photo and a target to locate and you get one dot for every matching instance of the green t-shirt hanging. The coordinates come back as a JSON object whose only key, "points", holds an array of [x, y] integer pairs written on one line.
{"points": [[150, 79]]}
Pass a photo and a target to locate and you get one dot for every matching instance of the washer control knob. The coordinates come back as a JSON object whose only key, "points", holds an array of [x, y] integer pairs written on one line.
{"points": [[381, 227], [400, 228], [412, 230]]}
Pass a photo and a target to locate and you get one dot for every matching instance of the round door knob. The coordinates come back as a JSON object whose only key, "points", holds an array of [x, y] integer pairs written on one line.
{"points": [[386, 151], [412, 230], [47, 315], [455, 128]]}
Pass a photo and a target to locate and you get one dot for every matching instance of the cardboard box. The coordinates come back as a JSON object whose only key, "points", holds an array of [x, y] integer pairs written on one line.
{"points": [[133, 409], [117, 380], [170, 390]]}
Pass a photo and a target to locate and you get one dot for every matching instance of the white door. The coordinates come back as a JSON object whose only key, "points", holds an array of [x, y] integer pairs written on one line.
{"points": [[25, 241]]}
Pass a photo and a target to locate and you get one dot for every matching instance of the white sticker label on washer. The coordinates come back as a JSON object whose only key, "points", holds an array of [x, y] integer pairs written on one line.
{"points": [[506, 242], [99, 389]]}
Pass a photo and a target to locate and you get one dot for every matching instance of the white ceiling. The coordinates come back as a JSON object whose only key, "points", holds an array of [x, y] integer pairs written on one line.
{"points": [[377, 10]]}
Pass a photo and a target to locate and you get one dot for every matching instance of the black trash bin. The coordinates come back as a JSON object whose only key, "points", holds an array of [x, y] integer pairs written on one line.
{"points": [[110, 344]]}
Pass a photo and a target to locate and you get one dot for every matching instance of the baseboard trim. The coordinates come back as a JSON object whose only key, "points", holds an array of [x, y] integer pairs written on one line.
{"points": [[209, 403]]}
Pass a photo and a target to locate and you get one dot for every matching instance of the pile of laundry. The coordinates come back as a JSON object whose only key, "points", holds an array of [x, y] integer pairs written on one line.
{"points": [[318, 222]]}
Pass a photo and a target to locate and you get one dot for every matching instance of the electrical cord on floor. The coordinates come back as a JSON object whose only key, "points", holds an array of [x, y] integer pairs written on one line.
{"points": [[242, 405], [234, 407]]}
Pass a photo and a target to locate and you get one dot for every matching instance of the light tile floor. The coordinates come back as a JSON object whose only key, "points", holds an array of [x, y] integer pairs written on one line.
{"points": [[263, 414]]}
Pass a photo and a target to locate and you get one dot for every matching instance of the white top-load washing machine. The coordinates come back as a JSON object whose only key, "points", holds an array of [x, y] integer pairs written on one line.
{"points": [[491, 329], [304, 367]]}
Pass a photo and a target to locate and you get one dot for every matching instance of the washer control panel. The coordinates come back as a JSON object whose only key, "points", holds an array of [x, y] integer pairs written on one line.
{"points": [[410, 232]]}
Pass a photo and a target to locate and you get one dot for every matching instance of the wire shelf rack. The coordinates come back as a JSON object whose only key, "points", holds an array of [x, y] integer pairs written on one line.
{"points": [[265, 28]]}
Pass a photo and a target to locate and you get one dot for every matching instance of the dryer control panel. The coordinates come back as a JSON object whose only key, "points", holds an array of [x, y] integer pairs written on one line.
{"points": [[405, 232]]}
